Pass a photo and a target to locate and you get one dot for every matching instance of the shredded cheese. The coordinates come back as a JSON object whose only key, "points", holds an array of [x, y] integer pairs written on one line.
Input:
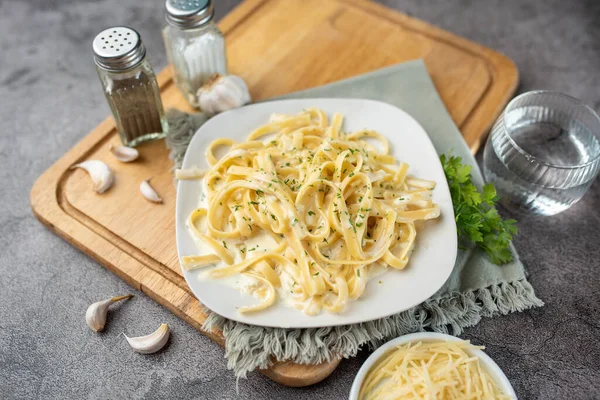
{"points": [[430, 370]]}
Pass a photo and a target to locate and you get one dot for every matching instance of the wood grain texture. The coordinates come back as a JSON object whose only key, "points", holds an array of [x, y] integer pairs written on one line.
{"points": [[277, 46]]}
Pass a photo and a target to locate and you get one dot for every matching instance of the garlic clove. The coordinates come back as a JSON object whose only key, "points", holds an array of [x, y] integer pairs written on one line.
{"points": [[222, 93], [124, 154], [149, 193], [95, 316], [150, 343], [189, 174], [102, 176]]}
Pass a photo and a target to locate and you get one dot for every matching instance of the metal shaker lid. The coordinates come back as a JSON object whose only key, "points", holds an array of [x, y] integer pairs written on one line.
{"points": [[187, 14], [118, 49]]}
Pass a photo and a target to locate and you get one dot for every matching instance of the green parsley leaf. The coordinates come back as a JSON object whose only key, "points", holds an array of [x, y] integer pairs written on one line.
{"points": [[477, 218]]}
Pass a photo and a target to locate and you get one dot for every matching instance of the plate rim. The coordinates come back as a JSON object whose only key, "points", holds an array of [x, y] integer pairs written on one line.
{"points": [[307, 324]]}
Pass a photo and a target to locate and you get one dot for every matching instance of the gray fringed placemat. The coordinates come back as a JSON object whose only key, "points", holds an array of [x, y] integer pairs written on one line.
{"points": [[475, 289]]}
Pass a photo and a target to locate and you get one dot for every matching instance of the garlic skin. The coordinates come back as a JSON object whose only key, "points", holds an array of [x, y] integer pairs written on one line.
{"points": [[149, 193], [124, 154], [222, 93], [102, 176], [150, 343], [95, 316]]}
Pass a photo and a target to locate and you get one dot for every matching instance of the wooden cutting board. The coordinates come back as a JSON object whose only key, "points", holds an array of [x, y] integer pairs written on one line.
{"points": [[277, 46]]}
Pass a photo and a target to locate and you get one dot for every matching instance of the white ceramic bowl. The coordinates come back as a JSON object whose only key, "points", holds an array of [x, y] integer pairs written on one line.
{"points": [[486, 362]]}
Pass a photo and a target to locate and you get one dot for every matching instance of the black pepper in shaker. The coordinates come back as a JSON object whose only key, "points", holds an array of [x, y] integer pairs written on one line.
{"points": [[129, 85]]}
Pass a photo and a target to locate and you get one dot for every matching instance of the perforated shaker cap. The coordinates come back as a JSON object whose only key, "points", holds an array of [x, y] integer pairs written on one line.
{"points": [[187, 14], [118, 49]]}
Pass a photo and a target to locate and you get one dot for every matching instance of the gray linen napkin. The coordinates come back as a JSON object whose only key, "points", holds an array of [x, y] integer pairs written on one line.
{"points": [[476, 288]]}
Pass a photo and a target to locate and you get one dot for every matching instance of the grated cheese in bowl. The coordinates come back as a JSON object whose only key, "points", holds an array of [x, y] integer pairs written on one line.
{"points": [[431, 369]]}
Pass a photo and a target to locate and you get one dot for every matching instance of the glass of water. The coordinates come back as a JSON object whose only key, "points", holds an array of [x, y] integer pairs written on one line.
{"points": [[543, 153]]}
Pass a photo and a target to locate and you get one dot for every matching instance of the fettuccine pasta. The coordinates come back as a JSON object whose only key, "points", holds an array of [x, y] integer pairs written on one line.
{"points": [[307, 212]]}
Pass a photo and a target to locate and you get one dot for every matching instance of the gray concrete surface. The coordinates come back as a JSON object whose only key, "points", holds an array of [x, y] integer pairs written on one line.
{"points": [[50, 98]]}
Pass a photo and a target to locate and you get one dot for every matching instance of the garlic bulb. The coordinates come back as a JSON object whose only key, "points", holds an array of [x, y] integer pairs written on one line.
{"points": [[222, 93], [95, 315], [124, 154], [149, 193], [102, 176], [151, 343]]}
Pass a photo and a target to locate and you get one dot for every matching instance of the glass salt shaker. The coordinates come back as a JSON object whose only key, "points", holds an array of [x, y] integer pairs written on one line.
{"points": [[195, 45], [129, 85]]}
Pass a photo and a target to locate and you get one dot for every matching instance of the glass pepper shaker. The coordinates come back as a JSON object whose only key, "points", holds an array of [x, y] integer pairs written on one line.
{"points": [[195, 45], [129, 85]]}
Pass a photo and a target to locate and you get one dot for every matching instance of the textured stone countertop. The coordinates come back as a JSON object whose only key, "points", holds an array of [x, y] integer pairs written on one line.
{"points": [[50, 98]]}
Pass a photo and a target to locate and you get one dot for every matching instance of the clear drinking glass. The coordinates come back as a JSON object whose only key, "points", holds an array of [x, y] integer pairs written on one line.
{"points": [[543, 153]]}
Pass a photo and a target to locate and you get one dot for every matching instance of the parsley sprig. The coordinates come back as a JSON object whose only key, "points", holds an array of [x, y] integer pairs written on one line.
{"points": [[477, 218]]}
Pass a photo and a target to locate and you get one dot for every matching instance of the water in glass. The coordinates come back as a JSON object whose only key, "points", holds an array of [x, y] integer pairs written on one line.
{"points": [[542, 159]]}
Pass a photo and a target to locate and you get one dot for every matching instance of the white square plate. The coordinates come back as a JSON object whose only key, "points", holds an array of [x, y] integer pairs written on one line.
{"points": [[435, 252]]}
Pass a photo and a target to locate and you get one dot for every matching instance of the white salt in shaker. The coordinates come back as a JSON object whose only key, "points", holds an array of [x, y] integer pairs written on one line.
{"points": [[195, 45]]}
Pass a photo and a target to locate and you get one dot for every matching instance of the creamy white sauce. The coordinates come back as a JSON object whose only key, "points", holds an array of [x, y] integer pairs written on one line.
{"points": [[375, 271], [253, 246]]}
